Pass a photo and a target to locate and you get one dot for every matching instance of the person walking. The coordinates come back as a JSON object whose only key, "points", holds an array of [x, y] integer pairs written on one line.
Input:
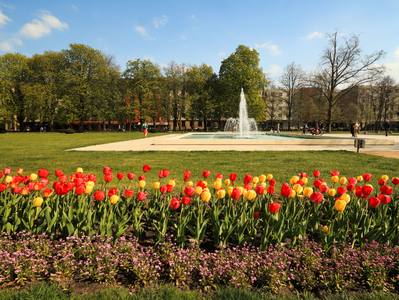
{"points": [[386, 127], [145, 129]]}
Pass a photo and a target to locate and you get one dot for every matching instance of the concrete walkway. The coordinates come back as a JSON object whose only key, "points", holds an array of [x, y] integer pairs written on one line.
{"points": [[375, 144]]}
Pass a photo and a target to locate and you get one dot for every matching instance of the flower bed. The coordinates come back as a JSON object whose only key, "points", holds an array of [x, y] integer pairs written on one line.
{"points": [[212, 211], [28, 258]]}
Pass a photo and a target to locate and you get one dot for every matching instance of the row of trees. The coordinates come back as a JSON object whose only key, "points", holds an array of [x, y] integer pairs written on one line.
{"points": [[82, 83]]}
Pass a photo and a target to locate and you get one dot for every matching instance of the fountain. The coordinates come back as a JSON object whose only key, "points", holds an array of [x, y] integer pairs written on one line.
{"points": [[244, 125]]}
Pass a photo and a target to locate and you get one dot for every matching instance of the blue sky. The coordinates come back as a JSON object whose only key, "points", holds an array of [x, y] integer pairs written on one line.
{"points": [[195, 31]]}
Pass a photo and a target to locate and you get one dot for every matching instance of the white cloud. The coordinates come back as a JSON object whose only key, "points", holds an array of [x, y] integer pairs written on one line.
{"points": [[10, 44], [392, 67], [159, 22], [141, 30], [274, 71], [315, 35], [269, 47], [3, 19], [43, 26]]}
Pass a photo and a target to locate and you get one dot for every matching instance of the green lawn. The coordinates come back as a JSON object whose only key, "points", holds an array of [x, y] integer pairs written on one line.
{"points": [[36, 150]]}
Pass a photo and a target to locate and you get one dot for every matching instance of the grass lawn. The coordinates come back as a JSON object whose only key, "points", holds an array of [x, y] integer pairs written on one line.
{"points": [[46, 150]]}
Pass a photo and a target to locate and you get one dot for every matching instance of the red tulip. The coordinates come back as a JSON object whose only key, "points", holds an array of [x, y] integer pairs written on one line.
{"points": [[128, 193], [174, 203], [107, 170], [317, 183], [334, 173], [285, 190], [350, 187], [219, 176], [367, 176], [270, 189], [206, 173], [386, 189], [43, 173], [59, 173], [385, 199], [163, 189], [374, 202], [120, 175], [247, 178], [233, 177], [323, 188], [272, 182], [260, 190], [146, 168], [80, 189], [141, 196], [186, 175], [108, 177], [7, 171], [352, 180], [169, 188], [99, 195], [92, 177], [274, 207], [303, 174], [112, 191], [341, 190], [163, 173], [395, 180], [186, 200], [381, 181], [316, 173], [236, 194], [316, 197], [189, 191], [3, 187], [141, 177], [367, 190], [358, 191], [300, 182]]}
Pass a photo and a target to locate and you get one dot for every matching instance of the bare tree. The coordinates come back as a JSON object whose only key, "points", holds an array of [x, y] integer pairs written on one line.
{"points": [[386, 94], [343, 67], [272, 98], [291, 80]]}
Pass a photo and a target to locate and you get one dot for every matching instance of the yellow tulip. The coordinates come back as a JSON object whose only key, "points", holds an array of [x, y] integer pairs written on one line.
{"points": [[325, 229], [255, 180], [229, 190], [205, 196], [307, 191], [217, 184], [205, 183], [89, 188], [189, 183], [205, 189], [335, 179], [227, 182], [262, 178], [142, 184], [340, 205], [114, 199], [37, 202], [250, 195], [172, 182], [345, 197], [305, 180], [91, 183], [359, 178], [292, 194], [241, 189], [8, 179], [343, 180], [269, 177], [198, 190], [385, 178], [332, 192], [79, 170], [33, 177], [221, 193], [297, 188], [294, 179], [263, 184], [156, 185]]}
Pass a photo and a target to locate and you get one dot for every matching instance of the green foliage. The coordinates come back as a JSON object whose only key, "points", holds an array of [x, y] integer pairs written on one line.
{"points": [[241, 70]]}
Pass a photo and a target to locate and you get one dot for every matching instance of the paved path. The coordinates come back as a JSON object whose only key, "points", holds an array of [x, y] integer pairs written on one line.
{"points": [[375, 144]]}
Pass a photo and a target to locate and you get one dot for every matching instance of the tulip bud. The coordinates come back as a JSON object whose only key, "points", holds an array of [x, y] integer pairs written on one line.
{"points": [[33, 177], [114, 199], [156, 185], [334, 179], [217, 184], [37, 202], [8, 179], [221, 193], [79, 170], [142, 184], [269, 177]]}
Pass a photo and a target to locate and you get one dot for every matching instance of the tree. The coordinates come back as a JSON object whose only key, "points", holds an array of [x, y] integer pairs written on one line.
{"points": [[199, 90], [45, 88], [343, 67], [272, 99], [85, 71], [386, 93], [142, 79], [292, 80], [13, 76], [241, 70], [176, 84]]}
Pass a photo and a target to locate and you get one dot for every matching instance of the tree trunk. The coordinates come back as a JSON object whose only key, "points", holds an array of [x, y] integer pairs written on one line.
{"points": [[329, 117], [205, 124]]}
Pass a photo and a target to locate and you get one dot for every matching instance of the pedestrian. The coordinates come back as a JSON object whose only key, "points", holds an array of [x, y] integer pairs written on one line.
{"points": [[145, 129], [386, 127], [352, 129]]}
